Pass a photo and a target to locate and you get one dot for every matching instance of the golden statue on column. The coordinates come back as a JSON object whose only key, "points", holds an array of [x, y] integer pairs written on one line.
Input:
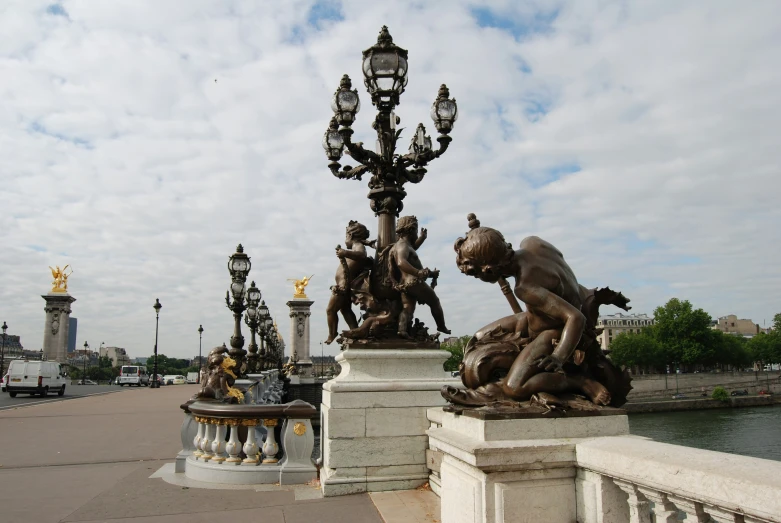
{"points": [[60, 283], [299, 286]]}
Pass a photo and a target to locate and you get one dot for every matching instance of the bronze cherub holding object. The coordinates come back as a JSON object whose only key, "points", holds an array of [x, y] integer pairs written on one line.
{"points": [[551, 348]]}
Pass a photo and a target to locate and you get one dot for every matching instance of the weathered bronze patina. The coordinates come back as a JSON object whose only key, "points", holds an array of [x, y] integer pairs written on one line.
{"points": [[217, 378], [548, 351], [388, 285]]}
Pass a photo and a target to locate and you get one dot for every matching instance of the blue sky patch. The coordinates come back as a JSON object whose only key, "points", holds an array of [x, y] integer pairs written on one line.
{"points": [[37, 128], [539, 23], [325, 10], [57, 10]]}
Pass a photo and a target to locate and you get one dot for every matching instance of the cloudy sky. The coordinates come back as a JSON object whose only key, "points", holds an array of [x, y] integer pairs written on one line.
{"points": [[141, 141]]}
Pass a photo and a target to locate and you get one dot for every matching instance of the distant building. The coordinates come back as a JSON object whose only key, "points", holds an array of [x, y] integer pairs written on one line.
{"points": [[13, 346], [730, 324], [450, 340], [72, 326], [140, 361], [615, 324], [117, 355]]}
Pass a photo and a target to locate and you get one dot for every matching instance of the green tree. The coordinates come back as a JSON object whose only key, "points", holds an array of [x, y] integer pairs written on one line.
{"points": [[631, 349], [720, 393], [765, 348], [684, 332], [456, 351]]}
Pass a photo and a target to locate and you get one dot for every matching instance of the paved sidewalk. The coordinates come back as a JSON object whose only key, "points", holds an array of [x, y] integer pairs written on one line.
{"points": [[90, 459]]}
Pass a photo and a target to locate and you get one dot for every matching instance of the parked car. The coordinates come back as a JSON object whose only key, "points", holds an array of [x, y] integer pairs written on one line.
{"points": [[739, 393], [679, 396], [765, 392], [35, 377], [133, 375], [86, 382], [5, 380]]}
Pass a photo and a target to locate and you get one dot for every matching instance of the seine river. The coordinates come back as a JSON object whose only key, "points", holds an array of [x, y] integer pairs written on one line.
{"points": [[752, 431]]}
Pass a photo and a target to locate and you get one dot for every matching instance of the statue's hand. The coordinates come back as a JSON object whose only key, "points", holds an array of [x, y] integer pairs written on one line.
{"points": [[341, 253], [424, 273], [423, 234], [551, 364]]}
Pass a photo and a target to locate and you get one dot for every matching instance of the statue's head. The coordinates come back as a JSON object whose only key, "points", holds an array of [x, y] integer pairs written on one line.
{"points": [[216, 356], [407, 226], [484, 253], [356, 232]]}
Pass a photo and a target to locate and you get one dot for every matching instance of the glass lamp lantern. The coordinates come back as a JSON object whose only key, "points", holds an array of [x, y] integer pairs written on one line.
{"points": [[333, 142], [420, 142], [237, 289], [239, 266], [444, 111], [385, 71], [345, 102], [253, 296]]}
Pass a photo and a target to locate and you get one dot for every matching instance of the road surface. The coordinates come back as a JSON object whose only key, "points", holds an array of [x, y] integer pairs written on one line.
{"points": [[71, 392]]}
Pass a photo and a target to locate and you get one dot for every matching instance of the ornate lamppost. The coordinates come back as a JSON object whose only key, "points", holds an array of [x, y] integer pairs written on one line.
{"points": [[200, 358], [385, 76], [264, 323], [239, 266], [252, 319], [155, 384], [84, 364], [2, 353]]}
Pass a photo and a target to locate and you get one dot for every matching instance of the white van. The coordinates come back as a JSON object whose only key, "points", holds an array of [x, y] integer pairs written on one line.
{"points": [[35, 377], [133, 375]]}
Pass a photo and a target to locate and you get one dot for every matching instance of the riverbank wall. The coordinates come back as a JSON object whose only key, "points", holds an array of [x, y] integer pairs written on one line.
{"points": [[702, 403], [654, 386]]}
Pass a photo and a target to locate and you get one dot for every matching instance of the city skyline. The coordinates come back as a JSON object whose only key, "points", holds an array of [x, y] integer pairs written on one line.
{"points": [[140, 144]]}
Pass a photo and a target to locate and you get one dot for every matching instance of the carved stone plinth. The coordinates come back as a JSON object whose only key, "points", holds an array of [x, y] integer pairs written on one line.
{"points": [[374, 419], [299, 334], [504, 468], [55, 332]]}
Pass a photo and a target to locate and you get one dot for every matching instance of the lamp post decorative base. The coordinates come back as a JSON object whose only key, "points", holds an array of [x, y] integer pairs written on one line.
{"points": [[374, 419]]}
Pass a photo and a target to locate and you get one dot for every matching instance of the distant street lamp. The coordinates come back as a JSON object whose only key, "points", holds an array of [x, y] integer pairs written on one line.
{"points": [[2, 353], [157, 308], [84, 364], [264, 323], [251, 318], [200, 343]]}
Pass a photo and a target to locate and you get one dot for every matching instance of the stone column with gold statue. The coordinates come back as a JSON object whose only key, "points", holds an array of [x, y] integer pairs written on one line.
{"points": [[58, 310], [299, 327]]}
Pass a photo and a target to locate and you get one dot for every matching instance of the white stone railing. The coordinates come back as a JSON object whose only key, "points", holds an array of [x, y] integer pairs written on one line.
{"points": [[634, 479], [238, 444], [506, 468]]}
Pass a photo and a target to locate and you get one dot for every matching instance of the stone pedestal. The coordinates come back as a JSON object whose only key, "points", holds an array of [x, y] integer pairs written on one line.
{"points": [[374, 419], [299, 334], [55, 332], [513, 470]]}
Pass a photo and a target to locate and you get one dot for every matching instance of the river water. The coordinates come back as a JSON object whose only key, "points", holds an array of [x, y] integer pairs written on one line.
{"points": [[754, 431]]}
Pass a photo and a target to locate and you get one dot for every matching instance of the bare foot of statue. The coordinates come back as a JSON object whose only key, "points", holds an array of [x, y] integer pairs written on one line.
{"points": [[443, 329], [596, 392], [330, 340]]}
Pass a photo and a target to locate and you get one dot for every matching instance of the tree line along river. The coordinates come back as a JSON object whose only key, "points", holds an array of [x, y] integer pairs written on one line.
{"points": [[754, 431]]}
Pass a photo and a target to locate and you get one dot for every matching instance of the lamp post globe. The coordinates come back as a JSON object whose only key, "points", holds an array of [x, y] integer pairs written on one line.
{"points": [[239, 266], [157, 306]]}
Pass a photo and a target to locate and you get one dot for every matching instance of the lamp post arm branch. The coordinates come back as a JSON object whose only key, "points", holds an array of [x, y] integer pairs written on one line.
{"points": [[444, 141], [356, 150]]}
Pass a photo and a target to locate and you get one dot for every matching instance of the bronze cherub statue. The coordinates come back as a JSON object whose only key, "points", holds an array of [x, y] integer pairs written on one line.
{"points": [[549, 349]]}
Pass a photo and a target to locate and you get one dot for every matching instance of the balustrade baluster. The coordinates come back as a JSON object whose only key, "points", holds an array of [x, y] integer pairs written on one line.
{"points": [[270, 447], [198, 437], [665, 510], [234, 445], [206, 442], [694, 511], [251, 445], [218, 445], [639, 508]]}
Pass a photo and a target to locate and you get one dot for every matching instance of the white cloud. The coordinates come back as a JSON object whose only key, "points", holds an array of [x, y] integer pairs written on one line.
{"points": [[121, 155]]}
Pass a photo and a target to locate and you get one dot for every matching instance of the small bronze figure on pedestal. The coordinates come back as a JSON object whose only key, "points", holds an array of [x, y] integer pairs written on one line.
{"points": [[551, 348]]}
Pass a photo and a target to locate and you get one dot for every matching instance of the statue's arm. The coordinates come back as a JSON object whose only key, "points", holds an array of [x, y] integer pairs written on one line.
{"points": [[541, 299], [421, 238]]}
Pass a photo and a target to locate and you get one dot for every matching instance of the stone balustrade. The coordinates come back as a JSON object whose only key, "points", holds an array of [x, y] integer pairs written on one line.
{"points": [[250, 444], [503, 468], [638, 480]]}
